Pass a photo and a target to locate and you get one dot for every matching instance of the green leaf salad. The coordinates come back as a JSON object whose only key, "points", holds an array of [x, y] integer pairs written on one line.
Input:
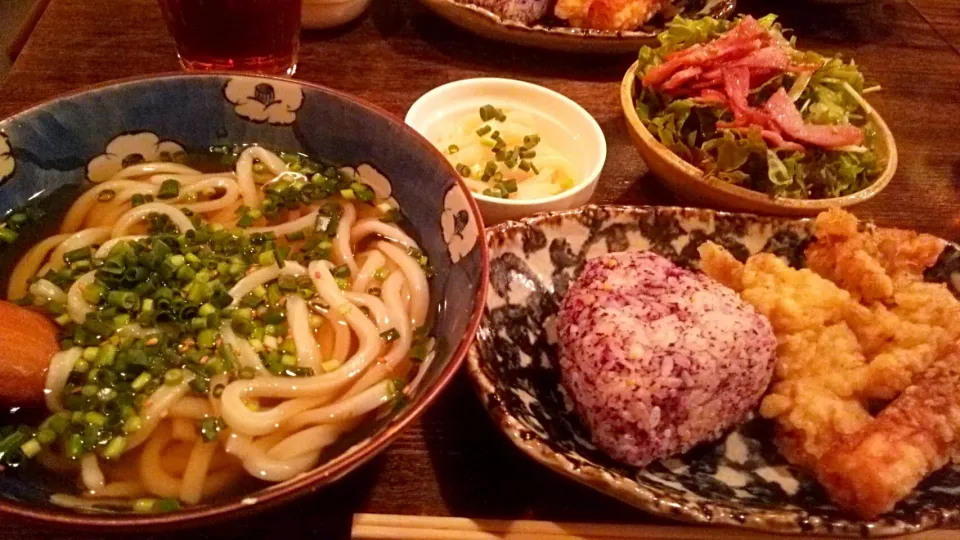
{"points": [[738, 100]]}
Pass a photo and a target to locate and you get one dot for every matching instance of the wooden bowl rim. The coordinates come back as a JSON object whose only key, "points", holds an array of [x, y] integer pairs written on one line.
{"points": [[694, 175]]}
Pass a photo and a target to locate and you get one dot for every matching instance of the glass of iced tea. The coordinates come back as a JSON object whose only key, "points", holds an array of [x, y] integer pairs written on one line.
{"points": [[248, 35]]}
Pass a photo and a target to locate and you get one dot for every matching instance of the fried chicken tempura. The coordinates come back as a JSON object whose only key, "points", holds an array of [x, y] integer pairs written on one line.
{"points": [[867, 263], [607, 14], [914, 436], [856, 326]]}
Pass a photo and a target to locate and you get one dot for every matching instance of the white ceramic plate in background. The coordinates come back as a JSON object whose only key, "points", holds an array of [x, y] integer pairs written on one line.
{"points": [[560, 122]]}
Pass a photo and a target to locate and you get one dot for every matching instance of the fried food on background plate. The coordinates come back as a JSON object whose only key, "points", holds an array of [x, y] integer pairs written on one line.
{"points": [[608, 14], [859, 325], [525, 11]]}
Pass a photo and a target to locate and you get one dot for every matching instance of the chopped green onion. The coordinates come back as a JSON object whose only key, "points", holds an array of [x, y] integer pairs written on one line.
{"points": [[115, 447], [267, 258], [453, 149], [46, 436], [126, 300], [206, 339], [166, 505], [144, 506], [484, 130], [210, 428], [77, 255], [106, 195], [132, 424], [489, 112], [173, 377], [169, 189], [8, 235], [31, 448], [106, 354], [390, 335]]}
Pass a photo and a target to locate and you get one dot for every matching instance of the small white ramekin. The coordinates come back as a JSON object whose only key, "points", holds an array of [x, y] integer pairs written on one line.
{"points": [[319, 14], [561, 123]]}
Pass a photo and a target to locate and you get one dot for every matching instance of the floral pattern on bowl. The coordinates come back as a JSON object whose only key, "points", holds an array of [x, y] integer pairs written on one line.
{"points": [[7, 163], [62, 145], [258, 100], [740, 480], [129, 149]]}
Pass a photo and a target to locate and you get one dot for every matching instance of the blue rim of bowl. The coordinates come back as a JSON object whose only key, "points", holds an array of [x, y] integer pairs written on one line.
{"points": [[596, 170], [309, 482]]}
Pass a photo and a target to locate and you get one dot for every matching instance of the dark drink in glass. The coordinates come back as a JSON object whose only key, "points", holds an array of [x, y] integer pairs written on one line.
{"points": [[248, 35]]}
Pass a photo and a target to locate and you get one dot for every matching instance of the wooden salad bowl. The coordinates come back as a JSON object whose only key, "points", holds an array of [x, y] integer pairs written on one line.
{"points": [[691, 184]]}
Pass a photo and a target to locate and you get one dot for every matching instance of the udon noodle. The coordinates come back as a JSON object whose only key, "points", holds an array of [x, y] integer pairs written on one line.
{"points": [[218, 325]]}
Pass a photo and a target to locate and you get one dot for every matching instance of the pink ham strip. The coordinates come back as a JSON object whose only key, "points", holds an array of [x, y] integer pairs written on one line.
{"points": [[762, 64], [774, 138], [681, 77], [738, 41], [785, 115], [736, 84], [711, 97]]}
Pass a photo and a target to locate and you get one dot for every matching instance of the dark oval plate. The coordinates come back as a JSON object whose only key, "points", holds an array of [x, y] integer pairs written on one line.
{"points": [[483, 22], [740, 480]]}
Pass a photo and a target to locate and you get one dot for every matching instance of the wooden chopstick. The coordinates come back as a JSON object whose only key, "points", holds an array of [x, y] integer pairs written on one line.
{"points": [[398, 527]]}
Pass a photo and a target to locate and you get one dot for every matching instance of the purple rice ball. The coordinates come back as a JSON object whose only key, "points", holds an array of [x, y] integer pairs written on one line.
{"points": [[658, 358]]}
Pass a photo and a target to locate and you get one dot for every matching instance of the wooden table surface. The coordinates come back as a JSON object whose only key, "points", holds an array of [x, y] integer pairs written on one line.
{"points": [[453, 461]]}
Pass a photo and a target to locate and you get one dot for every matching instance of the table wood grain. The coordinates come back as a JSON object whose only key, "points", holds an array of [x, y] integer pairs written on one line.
{"points": [[452, 461]]}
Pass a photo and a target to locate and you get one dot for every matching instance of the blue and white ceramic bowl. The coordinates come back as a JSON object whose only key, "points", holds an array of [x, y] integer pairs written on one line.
{"points": [[92, 134], [740, 480]]}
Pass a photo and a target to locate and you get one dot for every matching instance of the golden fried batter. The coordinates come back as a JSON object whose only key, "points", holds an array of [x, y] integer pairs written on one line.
{"points": [[882, 463], [867, 263], [607, 14], [859, 325]]}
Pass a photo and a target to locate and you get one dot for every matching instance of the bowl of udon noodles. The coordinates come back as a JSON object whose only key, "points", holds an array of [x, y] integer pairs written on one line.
{"points": [[220, 292]]}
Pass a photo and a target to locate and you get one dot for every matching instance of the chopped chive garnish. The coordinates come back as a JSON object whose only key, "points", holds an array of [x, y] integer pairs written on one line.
{"points": [[484, 130], [106, 195], [8, 235], [453, 149], [488, 112], [75, 255], [463, 169], [169, 189], [210, 428]]}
